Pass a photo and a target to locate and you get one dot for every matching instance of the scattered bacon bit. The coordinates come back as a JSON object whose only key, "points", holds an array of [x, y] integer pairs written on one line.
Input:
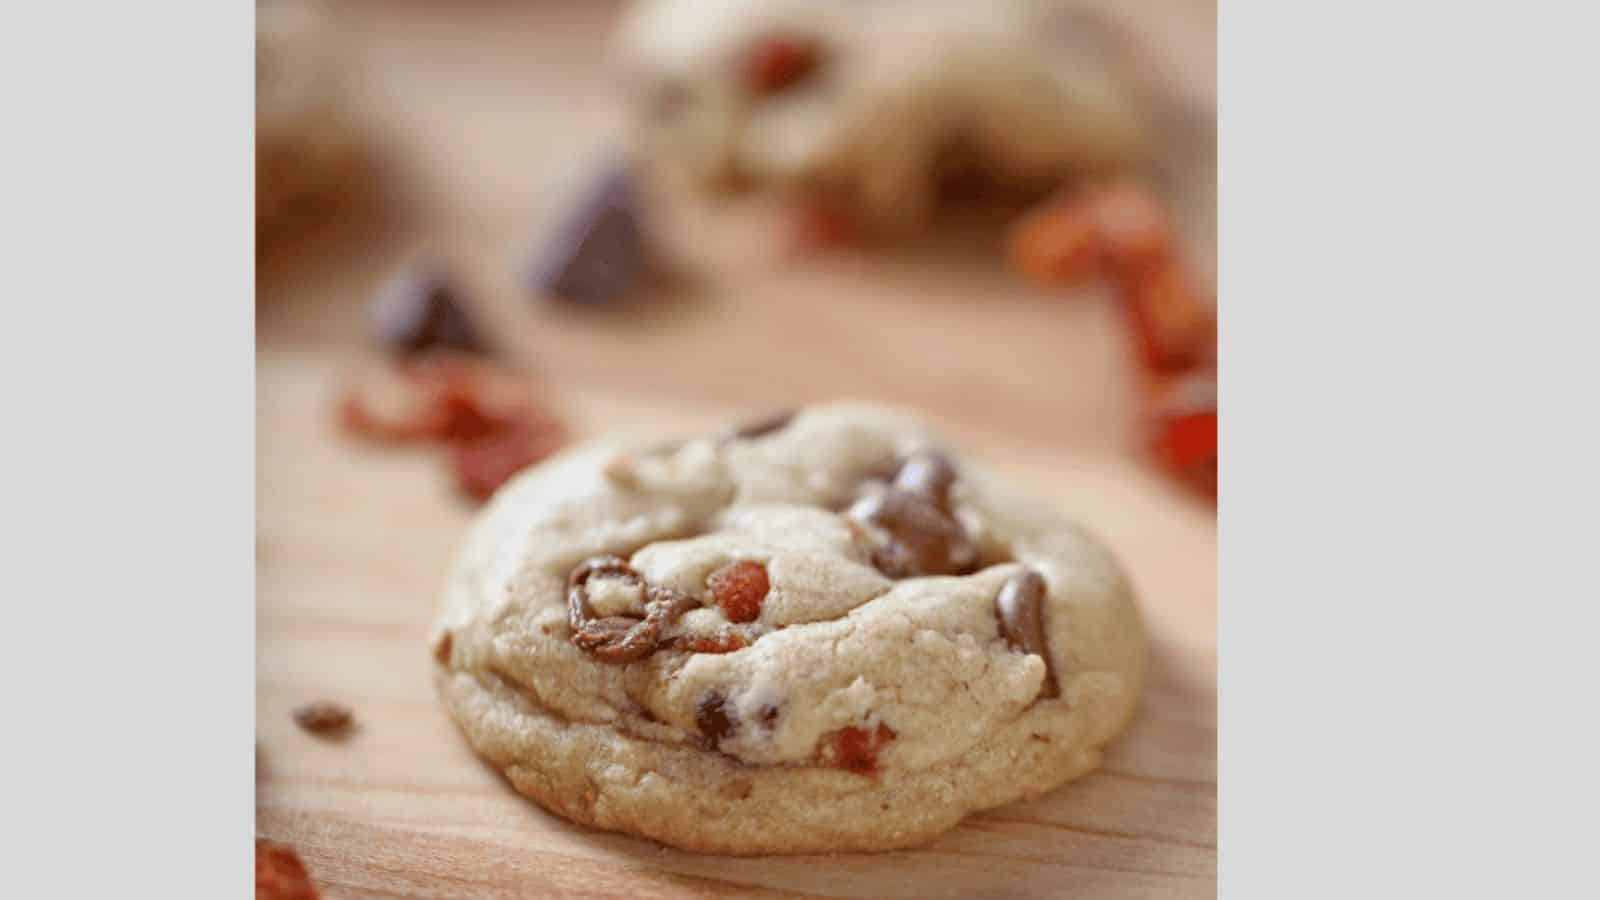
{"points": [[739, 589], [726, 642], [280, 875], [1057, 244], [1172, 327], [1132, 225], [1184, 430], [778, 62], [482, 465], [818, 225], [486, 416], [855, 749]]}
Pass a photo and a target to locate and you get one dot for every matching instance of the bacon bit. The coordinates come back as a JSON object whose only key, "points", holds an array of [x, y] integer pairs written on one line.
{"points": [[1057, 243], [855, 749], [1132, 225], [727, 642], [487, 417], [481, 466], [778, 62], [817, 225], [280, 875], [1184, 431], [739, 589], [1172, 326]]}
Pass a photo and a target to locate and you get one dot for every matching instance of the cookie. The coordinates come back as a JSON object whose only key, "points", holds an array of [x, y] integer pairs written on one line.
{"points": [[824, 631], [306, 139], [876, 102]]}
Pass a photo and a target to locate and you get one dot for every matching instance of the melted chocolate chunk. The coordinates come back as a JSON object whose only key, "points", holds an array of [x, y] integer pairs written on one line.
{"points": [[714, 719], [418, 310], [1019, 605], [923, 536], [620, 639]]}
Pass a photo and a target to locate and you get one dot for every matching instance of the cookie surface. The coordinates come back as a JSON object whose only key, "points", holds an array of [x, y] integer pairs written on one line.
{"points": [[822, 633]]}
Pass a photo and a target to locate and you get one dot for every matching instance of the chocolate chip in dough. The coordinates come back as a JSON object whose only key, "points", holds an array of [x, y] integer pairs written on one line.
{"points": [[929, 473], [712, 717], [1020, 608], [598, 254], [420, 309], [922, 539]]}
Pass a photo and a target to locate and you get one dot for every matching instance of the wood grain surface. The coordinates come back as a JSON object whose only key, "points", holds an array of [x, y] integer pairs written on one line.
{"points": [[481, 114]]}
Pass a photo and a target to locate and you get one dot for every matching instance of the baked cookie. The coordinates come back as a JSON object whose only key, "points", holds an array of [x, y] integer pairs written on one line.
{"points": [[306, 142], [819, 632], [873, 102]]}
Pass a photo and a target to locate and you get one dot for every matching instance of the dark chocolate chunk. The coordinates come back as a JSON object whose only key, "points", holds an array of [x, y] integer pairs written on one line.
{"points": [[1020, 608], [922, 539], [420, 309], [597, 254], [713, 718]]}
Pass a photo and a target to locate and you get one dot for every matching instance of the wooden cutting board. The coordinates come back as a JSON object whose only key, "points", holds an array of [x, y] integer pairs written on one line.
{"points": [[353, 541]]}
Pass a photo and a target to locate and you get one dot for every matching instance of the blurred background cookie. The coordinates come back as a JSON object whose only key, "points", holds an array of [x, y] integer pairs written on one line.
{"points": [[877, 106], [307, 142]]}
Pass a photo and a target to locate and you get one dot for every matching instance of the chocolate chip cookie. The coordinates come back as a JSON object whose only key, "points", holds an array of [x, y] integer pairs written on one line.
{"points": [[879, 104], [822, 631]]}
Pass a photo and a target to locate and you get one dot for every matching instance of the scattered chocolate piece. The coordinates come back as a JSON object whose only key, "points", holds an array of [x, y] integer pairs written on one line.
{"points": [[323, 717], [620, 639], [280, 875], [855, 749], [487, 416], [713, 719], [768, 424], [1019, 606], [598, 254], [419, 309]]}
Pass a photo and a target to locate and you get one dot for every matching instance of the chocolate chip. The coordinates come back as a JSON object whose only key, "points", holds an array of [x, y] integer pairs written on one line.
{"points": [[620, 639], [597, 255], [1020, 608], [922, 538], [713, 718], [420, 309], [323, 717], [769, 716], [765, 425], [929, 473]]}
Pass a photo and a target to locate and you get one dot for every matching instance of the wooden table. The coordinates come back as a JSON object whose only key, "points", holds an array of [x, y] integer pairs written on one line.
{"points": [[484, 112]]}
